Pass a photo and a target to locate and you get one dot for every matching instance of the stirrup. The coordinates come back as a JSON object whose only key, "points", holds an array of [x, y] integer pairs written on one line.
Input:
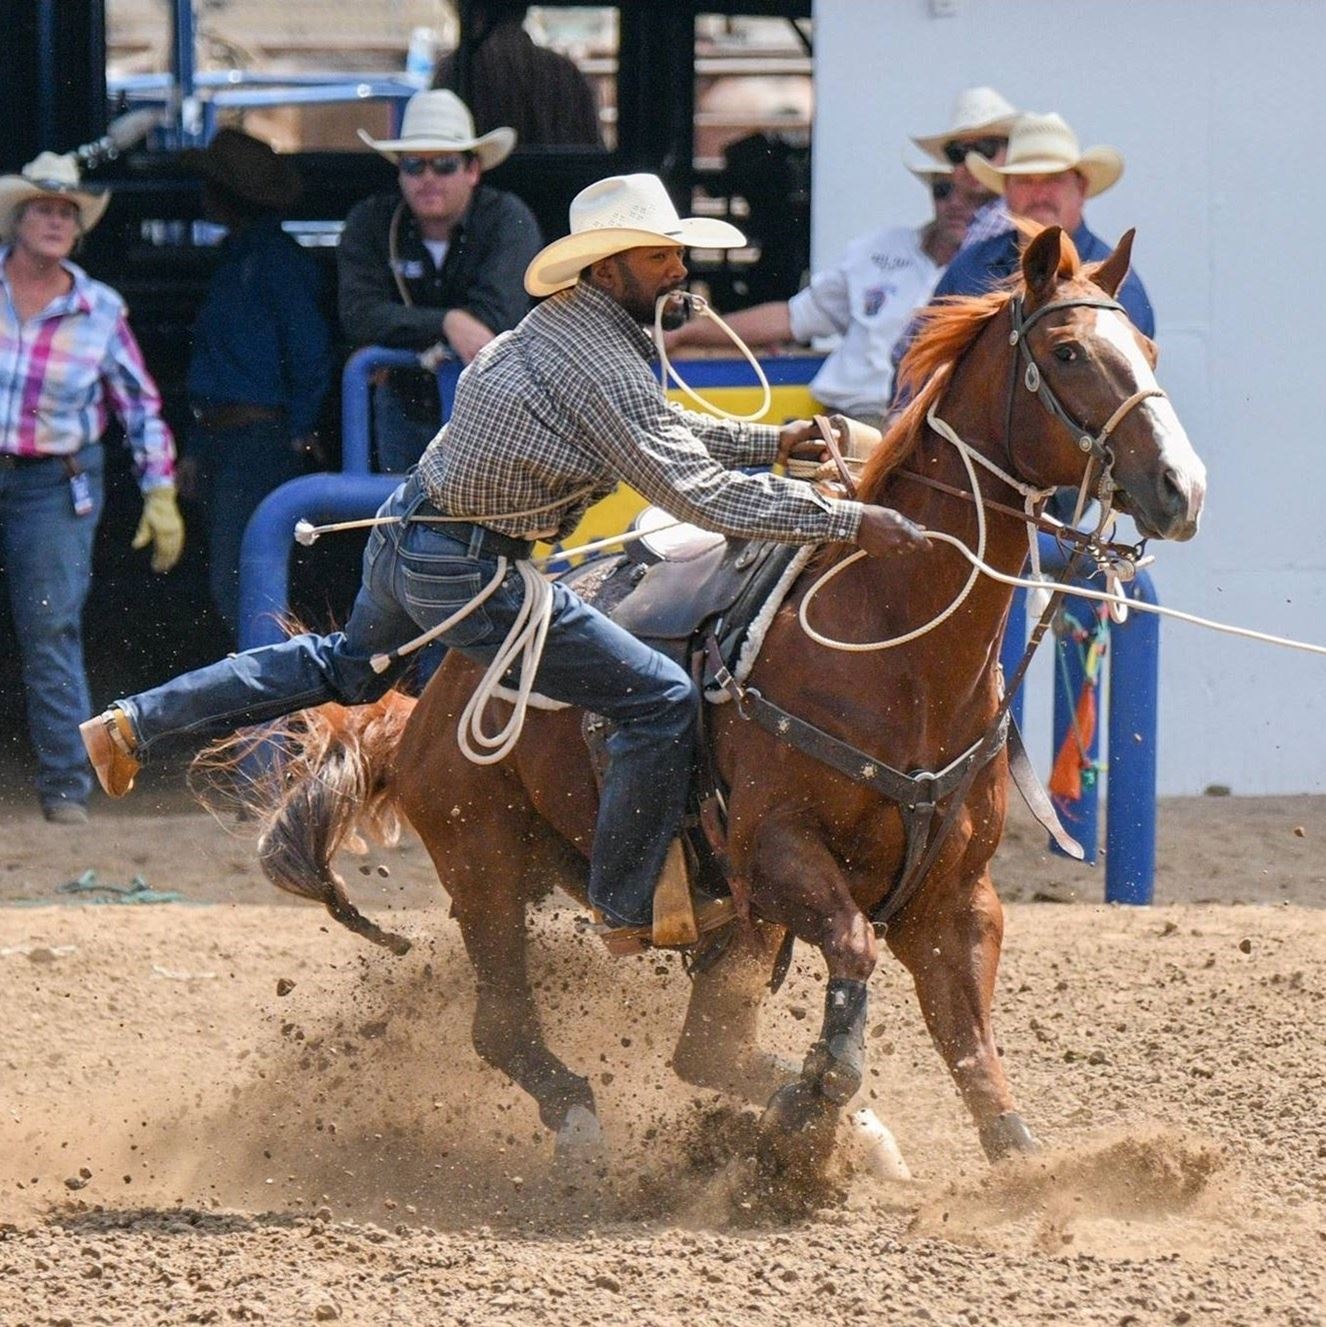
{"points": [[710, 914]]}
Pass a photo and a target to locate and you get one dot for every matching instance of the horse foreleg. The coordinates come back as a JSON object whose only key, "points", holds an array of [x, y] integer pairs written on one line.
{"points": [[507, 1032], [799, 882], [951, 948], [717, 1048]]}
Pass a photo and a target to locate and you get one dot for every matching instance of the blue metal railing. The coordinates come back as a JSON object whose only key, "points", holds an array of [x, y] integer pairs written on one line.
{"points": [[1133, 661]]}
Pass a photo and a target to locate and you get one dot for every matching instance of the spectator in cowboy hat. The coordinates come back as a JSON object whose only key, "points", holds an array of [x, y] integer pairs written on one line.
{"points": [[261, 356], [1046, 178], [437, 264], [67, 359], [981, 122], [866, 298]]}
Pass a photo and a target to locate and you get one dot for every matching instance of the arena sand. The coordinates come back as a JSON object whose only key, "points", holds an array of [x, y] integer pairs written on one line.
{"points": [[227, 1109]]}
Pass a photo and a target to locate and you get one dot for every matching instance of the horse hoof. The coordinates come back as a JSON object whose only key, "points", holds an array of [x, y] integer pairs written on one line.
{"points": [[578, 1145], [797, 1131], [877, 1149], [1006, 1135]]}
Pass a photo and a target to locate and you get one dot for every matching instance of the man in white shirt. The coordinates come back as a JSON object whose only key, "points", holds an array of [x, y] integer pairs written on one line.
{"points": [[866, 299]]}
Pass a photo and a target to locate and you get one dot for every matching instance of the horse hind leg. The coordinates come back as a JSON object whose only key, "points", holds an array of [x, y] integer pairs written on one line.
{"points": [[951, 947]]}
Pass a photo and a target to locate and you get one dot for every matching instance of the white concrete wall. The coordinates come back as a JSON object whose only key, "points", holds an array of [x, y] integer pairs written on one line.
{"points": [[1220, 111]]}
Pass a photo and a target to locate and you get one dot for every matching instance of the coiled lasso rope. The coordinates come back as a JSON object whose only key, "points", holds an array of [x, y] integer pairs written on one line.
{"points": [[698, 304], [979, 567]]}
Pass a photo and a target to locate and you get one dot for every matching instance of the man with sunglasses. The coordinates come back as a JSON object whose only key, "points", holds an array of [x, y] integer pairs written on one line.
{"points": [[981, 122], [866, 298], [438, 264]]}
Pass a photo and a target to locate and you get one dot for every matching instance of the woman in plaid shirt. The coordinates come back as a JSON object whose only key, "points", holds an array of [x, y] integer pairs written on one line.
{"points": [[67, 358]]}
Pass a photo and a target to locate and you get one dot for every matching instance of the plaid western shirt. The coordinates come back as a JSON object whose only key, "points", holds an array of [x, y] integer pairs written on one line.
{"points": [[550, 416], [58, 369]]}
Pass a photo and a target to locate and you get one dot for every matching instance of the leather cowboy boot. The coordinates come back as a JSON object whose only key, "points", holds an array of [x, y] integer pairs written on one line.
{"points": [[681, 915], [111, 742]]}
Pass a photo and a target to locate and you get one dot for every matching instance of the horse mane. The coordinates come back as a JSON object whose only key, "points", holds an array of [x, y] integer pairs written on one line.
{"points": [[946, 329]]}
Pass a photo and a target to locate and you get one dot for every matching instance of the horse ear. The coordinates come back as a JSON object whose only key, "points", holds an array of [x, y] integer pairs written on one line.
{"points": [[1110, 274], [1040, 263]]}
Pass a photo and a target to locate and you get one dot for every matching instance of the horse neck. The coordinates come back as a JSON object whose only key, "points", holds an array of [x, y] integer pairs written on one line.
{"points": [[975, 405]]}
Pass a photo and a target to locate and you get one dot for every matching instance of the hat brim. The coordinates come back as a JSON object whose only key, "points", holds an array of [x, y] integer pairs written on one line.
{"points": [[277, 194], [491, 148], [15, 190], [933, 144], [930, 172], [559, 264], [1101, 167]]}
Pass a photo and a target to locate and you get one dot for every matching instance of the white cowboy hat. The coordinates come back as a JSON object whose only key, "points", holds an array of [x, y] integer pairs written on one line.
{"points": [[437, 120], [929, 171], [49, 176], [619, 213], [976, 111], [1045, 145]]}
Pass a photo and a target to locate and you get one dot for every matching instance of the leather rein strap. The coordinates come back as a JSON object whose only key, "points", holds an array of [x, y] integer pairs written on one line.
{"points": [[835, 454]]}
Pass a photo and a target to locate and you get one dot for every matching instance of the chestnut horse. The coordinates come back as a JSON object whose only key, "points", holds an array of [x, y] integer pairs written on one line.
{"points": [[815, 851]]}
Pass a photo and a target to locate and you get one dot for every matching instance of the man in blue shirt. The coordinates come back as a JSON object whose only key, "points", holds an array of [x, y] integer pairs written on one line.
{"points": [[1045, 178], [261, 357]]}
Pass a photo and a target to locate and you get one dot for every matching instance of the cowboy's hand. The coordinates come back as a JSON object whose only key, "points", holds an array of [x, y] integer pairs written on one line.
{"points": [[800, 439], [162, 526], [884, 531], [465, 334]]}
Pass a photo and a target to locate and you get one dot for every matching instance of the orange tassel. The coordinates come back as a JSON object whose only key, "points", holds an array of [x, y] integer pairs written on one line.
{"points": [[1066, 776]]}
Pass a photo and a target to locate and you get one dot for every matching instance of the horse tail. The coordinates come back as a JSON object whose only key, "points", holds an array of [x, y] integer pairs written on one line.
{"points": [[316, 782]]}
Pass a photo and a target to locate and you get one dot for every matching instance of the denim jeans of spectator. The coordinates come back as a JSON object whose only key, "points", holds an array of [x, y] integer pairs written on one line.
{"points": [[416, 574], [46, 551], [399, 435], [237, 468]]}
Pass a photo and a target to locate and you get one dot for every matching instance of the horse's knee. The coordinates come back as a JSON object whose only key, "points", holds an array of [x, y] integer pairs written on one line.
{"points": [[850, 947]]}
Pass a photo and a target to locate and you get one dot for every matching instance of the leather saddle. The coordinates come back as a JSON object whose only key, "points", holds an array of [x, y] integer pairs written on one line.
{"points": [[674, 605]]}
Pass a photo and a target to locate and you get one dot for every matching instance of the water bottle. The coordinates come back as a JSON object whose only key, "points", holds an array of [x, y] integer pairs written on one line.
{"points": [[421, 57]]}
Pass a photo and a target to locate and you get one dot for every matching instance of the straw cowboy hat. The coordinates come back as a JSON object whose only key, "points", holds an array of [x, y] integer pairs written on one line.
{"points": [[247, 167], [438, 121], [1045, 145], [49, 176], [619, 213], [929, 171], [976, 111]]}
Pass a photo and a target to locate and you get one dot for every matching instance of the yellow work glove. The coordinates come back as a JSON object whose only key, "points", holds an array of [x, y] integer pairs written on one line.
{"points": [[162, 526]]}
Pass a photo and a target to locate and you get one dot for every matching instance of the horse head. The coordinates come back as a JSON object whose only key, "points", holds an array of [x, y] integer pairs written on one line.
{"points": [[1085, 362]]}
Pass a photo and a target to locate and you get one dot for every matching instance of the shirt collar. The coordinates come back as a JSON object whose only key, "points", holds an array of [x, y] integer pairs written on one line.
{"points": [[591, 298]]}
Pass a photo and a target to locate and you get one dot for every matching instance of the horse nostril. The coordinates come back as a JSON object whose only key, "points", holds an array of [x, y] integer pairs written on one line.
{"points": [[1173, 492]]}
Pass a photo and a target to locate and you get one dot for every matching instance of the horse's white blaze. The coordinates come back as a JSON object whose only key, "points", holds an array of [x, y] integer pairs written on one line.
{"points": [[1176, 452]]}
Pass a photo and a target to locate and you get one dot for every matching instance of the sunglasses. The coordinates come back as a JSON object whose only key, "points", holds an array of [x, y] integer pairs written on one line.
{"points": [[415, 166], [941, 189], [956, 151]]}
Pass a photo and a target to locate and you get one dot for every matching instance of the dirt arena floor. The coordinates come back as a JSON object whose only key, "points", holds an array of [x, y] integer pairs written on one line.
{"points": [[219, 1107]]}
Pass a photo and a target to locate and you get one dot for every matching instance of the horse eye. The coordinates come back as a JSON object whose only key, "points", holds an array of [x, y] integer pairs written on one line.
{"points": [[1065, 354]]}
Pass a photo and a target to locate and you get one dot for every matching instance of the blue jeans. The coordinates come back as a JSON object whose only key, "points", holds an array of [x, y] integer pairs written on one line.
{"points": [[46, 549], [237, 468], [416, 574], [399, 436]]}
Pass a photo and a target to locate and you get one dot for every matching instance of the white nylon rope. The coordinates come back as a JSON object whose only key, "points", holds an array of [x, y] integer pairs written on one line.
{"points": [[1030, 497], [702, 306], [979, 567]]}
